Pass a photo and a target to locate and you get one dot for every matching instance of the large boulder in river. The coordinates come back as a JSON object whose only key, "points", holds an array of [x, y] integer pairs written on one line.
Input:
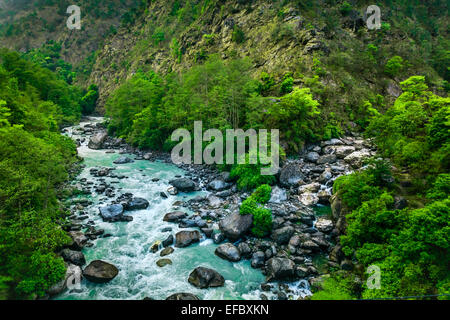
{"points": [[97, 140], [175, 216], [343, 151], [327, 159], [183, 296], [278, 195], [183, 184], [291, 175], [282, 235], [280, 268], [356, 158], [112, 213], [206, 278], [311, 188], [218, 185], [229, 252], [166, 251], [312, 156], [79, 240], [308, 199], [100, 271], [258, 259], [136, 204], [123, 160], [186, 238], [236, 225], [75, 257], [214, 202], [168, 241], [163, 262], [324, 225]]}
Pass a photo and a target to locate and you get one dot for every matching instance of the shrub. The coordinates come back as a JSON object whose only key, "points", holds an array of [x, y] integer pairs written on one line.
{"points": [[266, 83], [346, 8], [262, 218], [210, 38], [441, 187], [372, 222], [176, 51], [249, 175], [385, 26], [333, 288], [262, 194], [287, 85], [238, 35], [415, 129], [158, 36], [394, 66], [356, 188], [294, 116], [248, 206], [89, 100], [283, 31], [262, 222]]}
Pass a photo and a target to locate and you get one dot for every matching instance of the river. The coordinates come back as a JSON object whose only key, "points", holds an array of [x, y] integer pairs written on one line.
{"points": [[129, 246]]}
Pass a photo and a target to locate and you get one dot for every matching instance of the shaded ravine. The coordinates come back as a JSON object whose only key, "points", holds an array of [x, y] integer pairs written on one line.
{"points": [[129, 246]]}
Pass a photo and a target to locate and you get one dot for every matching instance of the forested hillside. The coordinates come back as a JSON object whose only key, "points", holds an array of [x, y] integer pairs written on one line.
{"points": [[311, 69], [323, 45], [34, 162]]}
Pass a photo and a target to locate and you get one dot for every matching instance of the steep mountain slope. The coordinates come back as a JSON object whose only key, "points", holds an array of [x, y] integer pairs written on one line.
{"points": [[28, 24], [324, 45]]}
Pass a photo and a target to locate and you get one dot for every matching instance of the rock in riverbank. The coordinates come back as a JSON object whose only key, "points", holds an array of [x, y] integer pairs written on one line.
{"points": [[236, 225], [186, 238], [136, 204], [280, 268], [100, 271], [182, 296], [228, 251], [75, 257], [73, 276], [97, 140], [174, 216], [183, 184], [206, 278]]}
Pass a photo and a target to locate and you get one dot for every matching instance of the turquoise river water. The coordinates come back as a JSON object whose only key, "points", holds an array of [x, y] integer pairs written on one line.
{"points": [[129, 246]]}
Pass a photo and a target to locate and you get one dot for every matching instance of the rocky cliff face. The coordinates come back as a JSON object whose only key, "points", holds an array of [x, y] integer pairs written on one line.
{"points": [[320, 45], [235, 29]]}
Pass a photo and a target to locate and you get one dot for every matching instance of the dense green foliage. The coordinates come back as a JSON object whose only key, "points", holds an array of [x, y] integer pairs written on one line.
{"points": [[148, 108], [249, 176], [34, 161], [415, 131], [46, 94], [410, 245], [89, 100], [262, 217], [49, 56], [336, 287]]}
